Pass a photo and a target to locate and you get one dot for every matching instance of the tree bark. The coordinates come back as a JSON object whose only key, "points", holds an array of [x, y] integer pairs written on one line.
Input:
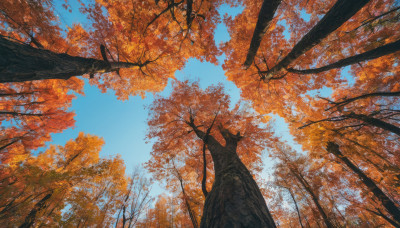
{"points": [[390, 206], [204, 179], [333, 19], [235, 199], [265, 16], [20, 62], [372, 54]]}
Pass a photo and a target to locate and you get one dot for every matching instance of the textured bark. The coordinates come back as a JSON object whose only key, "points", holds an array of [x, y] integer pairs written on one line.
{"points": [[39, 206], [390, 206], [333, 19], [235, 199], [20, 62], [376, 122], [204, 179], [265, 16], [372, 54]]}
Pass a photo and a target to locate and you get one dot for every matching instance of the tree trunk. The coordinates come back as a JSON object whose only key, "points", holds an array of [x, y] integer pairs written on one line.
{"points": [[372, 54], [376, 122], [333, 19], [235, 199], [265, 16], [390, 206], [30, 219], [295, 204], [20, 62]]}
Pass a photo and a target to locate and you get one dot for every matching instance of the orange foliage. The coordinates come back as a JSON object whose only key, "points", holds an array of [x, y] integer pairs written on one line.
{"points": [[30, 112], [82, 187]]}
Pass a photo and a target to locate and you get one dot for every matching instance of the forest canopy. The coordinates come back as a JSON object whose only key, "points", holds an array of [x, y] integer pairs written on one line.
{"points": [[313, 140]]}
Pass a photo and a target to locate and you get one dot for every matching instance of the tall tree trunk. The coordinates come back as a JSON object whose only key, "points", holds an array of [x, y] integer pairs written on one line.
{"points": [[390, 206], [265, 16], [295, 204], [372, 54], [333, 19], [235, 199], [20, 62], [39, 206]]}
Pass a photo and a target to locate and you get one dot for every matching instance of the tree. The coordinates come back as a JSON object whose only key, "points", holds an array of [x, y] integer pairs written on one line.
{"points": [[390, 206], [185, 196], [284, 52], [30, 112], [294, 53], [150, 42], [136, 200], [305, 187], [181, 177], [304, 85], [292, 170], [340, 12], [165, 213], [235, 197], [140, 44], [65, 185]]}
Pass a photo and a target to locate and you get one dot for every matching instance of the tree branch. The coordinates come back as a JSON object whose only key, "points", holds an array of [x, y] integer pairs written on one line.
{"points": [[363, 96], [372, 54]]}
